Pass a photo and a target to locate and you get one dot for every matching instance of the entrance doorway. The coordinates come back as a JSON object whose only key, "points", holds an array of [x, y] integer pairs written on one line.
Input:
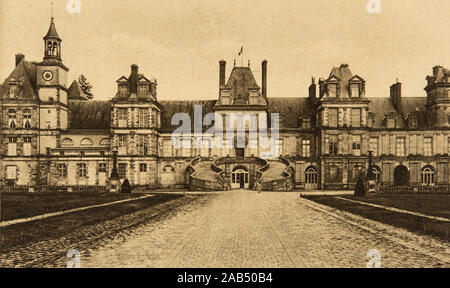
{"points": [[239, 179], [401, 176]]}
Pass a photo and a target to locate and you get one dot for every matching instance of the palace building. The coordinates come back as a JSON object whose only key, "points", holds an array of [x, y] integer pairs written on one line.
{"points": [[52, 136]]}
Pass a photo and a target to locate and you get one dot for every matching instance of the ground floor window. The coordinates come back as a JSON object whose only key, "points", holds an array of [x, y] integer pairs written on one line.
{"points": [[82, 170], [102, 167], [62, 170], [143, 167], [11, 172], [122, 170], [428, 175]]}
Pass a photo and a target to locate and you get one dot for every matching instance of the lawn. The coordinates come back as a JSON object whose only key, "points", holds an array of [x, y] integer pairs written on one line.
{"points": [[53, 227], [23, 206], [433, 205]]}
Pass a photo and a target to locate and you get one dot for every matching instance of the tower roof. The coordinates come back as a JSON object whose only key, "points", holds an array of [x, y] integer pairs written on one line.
{"points": [[52, 31]]}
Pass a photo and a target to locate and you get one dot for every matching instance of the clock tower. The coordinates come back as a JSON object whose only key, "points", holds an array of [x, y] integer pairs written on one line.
{"points": [[51, 80]]}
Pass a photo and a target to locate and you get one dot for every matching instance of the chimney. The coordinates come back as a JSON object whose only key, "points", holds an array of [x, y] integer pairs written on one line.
{"points": [[264, 78], [396, 96], [312, 90], [222, 65], [133, 78], [19, 57], [438, 70]]}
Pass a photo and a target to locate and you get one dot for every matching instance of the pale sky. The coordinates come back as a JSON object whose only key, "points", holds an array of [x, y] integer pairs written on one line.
{"points": [[180, 42]]}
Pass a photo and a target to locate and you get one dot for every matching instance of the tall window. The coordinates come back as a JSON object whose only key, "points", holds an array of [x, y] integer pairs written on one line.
{"points": [[333, 117], [122, 170], [306, 148], [27, 146], [355, 90], [12, 118], [123, 115], [427, 175], [356, 145], [428, 146], [390, 123], [333, 145], [332, 90], [142, 167], [82, 170], [374, 146], [11, 172], [143, 118], [12, 146], [448, 146], [400, 146], [122, 144], [62, 170], [26, 119], [356, 117], [12, 91], [142, 144]]}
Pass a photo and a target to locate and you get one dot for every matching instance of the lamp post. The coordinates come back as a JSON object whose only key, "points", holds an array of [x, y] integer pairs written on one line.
{"points": [[114, 179]]}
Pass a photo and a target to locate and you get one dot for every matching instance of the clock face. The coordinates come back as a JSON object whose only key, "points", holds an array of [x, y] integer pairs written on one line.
{"points": [[47, 75]]}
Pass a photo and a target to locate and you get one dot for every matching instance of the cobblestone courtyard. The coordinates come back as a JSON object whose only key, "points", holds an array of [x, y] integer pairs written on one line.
{"points": [[247, 229]]}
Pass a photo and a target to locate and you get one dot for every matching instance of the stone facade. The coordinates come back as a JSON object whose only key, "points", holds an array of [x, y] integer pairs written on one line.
{"points": [[53, 136]]}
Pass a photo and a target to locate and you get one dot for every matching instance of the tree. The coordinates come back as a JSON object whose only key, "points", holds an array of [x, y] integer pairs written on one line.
{"points": [[85, 86]]}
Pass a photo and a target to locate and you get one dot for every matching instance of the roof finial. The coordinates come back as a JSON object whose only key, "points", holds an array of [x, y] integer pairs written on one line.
{"points": [[234, 62], [249, 63], [52, 9]]}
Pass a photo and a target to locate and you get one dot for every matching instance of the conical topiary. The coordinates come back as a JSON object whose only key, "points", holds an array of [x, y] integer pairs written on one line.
{"points": [[126, 186], [360, 189]]}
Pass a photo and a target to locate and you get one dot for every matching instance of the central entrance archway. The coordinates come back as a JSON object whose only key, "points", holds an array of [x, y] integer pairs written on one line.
{"points": [[240, 178], [401, 176]]}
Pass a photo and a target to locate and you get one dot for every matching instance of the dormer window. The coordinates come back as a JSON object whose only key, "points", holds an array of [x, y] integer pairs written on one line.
{"points": [[390, 123], [354, 90], [412, 122], [143, 90], [123, 90], [12, 91], [332, 90], [306, 123]]}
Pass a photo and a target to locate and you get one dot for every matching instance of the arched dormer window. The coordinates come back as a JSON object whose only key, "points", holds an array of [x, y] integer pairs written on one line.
{"points": [[86, 142], [66, 142]]}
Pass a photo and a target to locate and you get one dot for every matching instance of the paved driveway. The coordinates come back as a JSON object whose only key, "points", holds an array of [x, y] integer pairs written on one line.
{"points": [[247, 229]]}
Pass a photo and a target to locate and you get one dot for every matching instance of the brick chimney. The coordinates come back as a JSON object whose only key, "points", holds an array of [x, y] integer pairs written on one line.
{"points": [[312, 90], [396, 96], [133, 78], [19, 57], [222, 65], [264, 78]]}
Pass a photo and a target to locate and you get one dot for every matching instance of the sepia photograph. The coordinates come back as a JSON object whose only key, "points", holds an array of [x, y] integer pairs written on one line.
{"points": [[249, 134]]}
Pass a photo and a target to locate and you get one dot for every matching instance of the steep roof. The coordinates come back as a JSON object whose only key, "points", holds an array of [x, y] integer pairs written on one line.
{"points": [[291, 109], [52, 31], [89, 114], [25, 74], [170, 108], [344, 74], [75, 92], [240, 80], [380, 107]]}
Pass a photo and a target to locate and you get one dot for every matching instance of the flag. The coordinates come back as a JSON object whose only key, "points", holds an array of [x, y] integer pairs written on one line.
{"points": [[242, 51]]}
